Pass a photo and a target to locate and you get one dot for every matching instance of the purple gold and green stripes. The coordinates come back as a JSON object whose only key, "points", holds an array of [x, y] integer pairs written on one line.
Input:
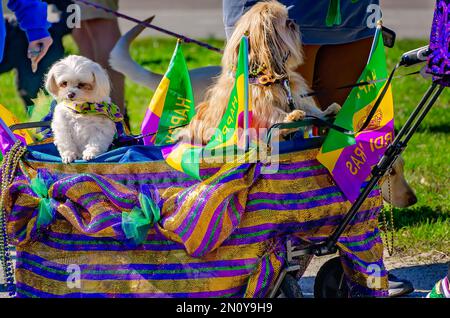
{"points": [[223, 237]]}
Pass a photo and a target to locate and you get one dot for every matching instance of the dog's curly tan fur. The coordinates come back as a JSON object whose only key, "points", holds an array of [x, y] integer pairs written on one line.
{"points": [[274, 42]]}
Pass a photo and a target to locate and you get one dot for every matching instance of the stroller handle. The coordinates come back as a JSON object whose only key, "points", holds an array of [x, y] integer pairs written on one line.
{"points": [[416, 56], [36, 124]]}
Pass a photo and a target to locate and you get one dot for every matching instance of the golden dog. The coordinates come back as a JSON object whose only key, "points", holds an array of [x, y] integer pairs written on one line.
{"points": [[275, 52], [398, 193]]}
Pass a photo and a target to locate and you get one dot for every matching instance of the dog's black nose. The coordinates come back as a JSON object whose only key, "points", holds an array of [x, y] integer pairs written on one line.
{"points": [[412, 200], [71, 95]]}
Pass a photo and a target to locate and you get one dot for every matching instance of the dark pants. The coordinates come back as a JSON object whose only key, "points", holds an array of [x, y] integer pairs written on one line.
{"points": [[15, 58]]}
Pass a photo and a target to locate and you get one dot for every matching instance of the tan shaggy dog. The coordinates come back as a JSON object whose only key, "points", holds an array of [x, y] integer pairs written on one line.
{"points": [[275, 52]]}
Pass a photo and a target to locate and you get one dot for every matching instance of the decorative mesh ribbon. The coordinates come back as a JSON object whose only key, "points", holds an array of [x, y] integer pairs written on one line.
{"points": [[46, 212], [137, 223]]}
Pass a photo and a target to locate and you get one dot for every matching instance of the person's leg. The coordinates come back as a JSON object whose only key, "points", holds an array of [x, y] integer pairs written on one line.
{"points": [[339, 65], [307, 69], [83, 40], [104, 34], [309, 64]]}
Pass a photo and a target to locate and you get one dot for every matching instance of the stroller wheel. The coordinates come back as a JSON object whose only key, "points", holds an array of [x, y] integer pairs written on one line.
{"points": [[330, 281], [290, 287]]}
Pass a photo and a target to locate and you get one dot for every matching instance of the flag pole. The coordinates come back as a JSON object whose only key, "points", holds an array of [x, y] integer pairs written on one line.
{"points": [[378, 31], [246, 96]]}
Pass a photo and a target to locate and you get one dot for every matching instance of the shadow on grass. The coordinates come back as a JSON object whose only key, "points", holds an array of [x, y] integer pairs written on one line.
{"points": [[442, 128], [418, 215], [429, 128]]}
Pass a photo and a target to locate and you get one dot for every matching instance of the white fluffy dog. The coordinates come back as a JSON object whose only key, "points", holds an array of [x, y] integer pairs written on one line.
{"points": [[75, 81]]}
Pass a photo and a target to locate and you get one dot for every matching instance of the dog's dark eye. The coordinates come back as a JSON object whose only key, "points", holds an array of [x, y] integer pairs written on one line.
{"points": [[84, 86], [63, 84]]}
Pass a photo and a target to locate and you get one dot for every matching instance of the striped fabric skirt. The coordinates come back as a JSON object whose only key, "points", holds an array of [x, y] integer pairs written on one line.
{"points": [[141, 229]]}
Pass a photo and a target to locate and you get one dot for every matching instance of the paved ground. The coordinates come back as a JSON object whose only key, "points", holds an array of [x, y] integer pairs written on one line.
{"points": [[203, 18], [422, 270]]}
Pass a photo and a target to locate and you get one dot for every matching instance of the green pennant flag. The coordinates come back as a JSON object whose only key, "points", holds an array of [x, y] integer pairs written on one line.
{"points": [[172, 104], [186, 157]]}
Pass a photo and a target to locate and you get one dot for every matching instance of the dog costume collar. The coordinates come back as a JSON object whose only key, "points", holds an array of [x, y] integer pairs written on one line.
{"points": [[260, 76], [111, 111], [265, 80]]}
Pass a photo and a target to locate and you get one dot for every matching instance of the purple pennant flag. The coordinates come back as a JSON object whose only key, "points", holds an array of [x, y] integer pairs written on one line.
{"points": [[7, 138]]}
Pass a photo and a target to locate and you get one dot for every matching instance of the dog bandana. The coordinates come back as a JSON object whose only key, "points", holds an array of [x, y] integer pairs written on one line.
{"points": [[111, 111]]}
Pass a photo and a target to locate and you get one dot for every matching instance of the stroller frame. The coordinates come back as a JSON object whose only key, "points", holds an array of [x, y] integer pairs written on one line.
{"points": [[395, 149]]}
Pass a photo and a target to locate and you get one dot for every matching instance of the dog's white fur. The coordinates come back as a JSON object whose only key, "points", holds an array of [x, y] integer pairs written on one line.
{"points": [[121, 61], [77, 136]]}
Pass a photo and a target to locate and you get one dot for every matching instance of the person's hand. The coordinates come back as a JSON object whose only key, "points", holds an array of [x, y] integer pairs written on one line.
{"points": [[37, 50]]}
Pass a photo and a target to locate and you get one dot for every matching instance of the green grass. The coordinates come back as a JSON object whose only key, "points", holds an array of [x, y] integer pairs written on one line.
{"points": [[424, 227]]}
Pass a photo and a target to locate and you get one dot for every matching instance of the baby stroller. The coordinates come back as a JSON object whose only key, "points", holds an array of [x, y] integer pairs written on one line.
{"points": [[127, 225]]}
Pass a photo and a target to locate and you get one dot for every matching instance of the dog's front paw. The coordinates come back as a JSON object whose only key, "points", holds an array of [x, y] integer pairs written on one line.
{"points": [[333, 109], [68, 156], [90, 153], [295, 115]]}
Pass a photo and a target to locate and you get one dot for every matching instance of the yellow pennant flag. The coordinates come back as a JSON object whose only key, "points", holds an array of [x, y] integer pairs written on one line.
{"points": [[10, 120]]}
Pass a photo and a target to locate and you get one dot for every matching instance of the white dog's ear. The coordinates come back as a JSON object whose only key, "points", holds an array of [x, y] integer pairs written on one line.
{"points": [[101, 80], [50, 83]]}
